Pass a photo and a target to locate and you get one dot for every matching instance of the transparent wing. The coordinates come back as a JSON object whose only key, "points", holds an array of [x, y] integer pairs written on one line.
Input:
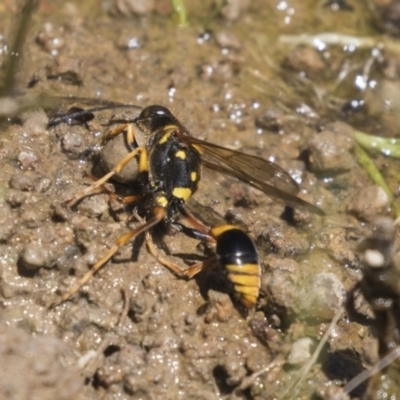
{"points": [[255, 171]]}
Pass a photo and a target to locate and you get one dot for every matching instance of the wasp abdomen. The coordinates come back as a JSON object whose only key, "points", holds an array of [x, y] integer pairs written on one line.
{"points": [[237, 253]]}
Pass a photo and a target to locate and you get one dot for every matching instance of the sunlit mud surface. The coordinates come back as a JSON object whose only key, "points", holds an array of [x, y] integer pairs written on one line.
{"points": [[242, 77]]}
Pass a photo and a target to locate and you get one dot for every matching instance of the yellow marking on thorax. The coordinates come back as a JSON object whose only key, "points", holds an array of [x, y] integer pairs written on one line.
{"points": [[182, 193], [168, 131], [162, 201], [165, 137], [193, 176], [180, 154]]}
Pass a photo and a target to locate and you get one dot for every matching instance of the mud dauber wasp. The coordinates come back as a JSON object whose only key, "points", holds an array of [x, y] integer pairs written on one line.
{"points": [[169, 164]]}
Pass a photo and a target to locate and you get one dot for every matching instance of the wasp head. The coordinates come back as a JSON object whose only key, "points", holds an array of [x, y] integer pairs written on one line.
{"points": [[155, 117]]}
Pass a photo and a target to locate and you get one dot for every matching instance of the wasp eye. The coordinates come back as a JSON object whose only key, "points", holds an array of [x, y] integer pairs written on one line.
{"points": [[156, 111], [155, 117]]}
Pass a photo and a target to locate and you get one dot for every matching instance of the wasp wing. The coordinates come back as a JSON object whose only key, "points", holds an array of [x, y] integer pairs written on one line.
{"points": [[262, 174]]}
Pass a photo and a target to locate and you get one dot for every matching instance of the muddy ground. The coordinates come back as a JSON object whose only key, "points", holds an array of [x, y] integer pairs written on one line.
{"points": [[135, 330]]}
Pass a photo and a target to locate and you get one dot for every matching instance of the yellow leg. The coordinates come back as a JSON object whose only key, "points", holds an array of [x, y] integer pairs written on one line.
{"points": [[116, 131], [187, 273], [159, 214], [122, 200], [90, 189], [190, 272], [163, 261], [196, 223], [181, 273]]}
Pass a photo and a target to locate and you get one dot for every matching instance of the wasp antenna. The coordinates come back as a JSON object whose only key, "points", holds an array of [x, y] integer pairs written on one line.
{"points": [[69, 117]]}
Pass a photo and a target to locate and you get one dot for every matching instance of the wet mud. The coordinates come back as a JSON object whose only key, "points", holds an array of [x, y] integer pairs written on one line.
{"points": [[135, 331]]}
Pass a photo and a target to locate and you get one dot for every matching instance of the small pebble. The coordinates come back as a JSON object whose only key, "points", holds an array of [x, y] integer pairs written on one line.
{"points": [[306, 59], [301, 351], [329, 150], [368, 202], [73, 144], [94, 206], [112, 153], [15, 197], [26, 159], [226, 39], [321, 297], [220, 307], [29, 181], [34, 256], [134, 7]]}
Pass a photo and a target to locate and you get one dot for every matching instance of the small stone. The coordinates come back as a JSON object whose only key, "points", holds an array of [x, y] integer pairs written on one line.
{"points": [[368, 202], [94, 206], [220, 307], [34, 256], [134, 7], [272, 118], [46, 246], [73, 144], [35, 122], [329, 150], [26, 159], [331, 392], [335, 242], [305, 59], [50, 38], [15, 197], [42, 185], [322, 297], [113, 152], [280, 281], [226, 39], [24, 180], [301, 351], [30, 181]]}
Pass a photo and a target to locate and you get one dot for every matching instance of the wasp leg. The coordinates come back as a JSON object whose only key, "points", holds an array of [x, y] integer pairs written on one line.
{"points": [[153, 251], [198, 225], [181, 273], [159, 214], [141, 151], [163, 261], [190, 272], [122, 200], [178, 271], [130, 135], [194, 233]]}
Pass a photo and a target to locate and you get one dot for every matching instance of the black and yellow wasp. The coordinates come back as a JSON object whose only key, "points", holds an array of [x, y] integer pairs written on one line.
{"points": [[170, 161]]}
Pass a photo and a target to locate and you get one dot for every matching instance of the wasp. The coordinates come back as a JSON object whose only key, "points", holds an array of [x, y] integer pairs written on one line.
{"points": [[169, 165]]}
